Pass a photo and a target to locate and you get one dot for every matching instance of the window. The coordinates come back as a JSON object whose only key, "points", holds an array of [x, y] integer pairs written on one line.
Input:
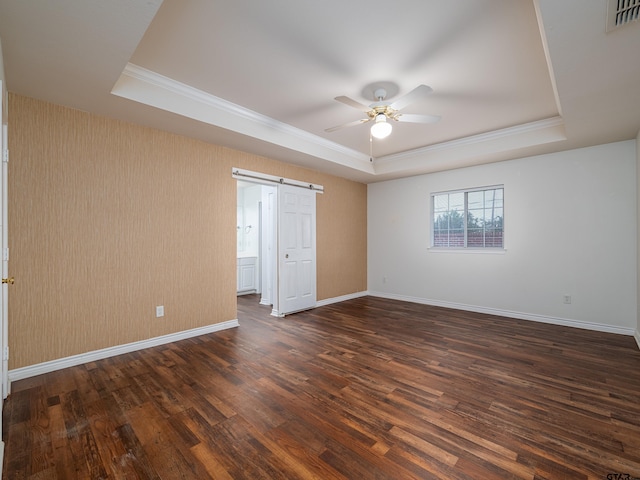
{"points": [[468, 218]]}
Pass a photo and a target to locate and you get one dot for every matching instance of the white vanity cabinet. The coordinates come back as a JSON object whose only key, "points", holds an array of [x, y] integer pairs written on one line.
{"points": [[247, 274]]}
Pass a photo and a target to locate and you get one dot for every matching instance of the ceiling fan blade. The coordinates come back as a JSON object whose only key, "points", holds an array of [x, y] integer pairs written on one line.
{"points": [[350, 124], [353, 103], [411, 118], [413, 96]]}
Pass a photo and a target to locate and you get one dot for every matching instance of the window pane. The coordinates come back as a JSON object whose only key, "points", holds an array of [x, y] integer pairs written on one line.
{"points": [[476, 200], [440, 203], [475, 237], [448, 220], [484, 219], [456, 201]]}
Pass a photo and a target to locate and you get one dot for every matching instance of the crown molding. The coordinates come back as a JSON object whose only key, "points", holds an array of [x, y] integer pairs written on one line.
{"points": [[150, 88], [495, 135], [233, 116], [474, 149]]}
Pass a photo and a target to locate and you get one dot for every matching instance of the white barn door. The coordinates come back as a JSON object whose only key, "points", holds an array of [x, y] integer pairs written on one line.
{"points": [[296, 249]]}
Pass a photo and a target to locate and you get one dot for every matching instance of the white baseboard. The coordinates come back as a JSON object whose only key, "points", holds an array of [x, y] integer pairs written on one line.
{"points": [[46, 367], [59, 364], [351, 296], [326, 301], [600, 327]]}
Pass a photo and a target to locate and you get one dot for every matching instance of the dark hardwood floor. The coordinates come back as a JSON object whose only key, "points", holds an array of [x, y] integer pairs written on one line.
{"points": [[364, 389]]}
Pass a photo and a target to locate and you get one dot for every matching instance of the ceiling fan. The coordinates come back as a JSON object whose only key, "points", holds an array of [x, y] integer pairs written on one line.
{"points": [[380, 111]]}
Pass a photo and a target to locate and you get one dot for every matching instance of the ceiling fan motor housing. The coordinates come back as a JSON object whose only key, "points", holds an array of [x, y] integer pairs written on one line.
{"points": [[380, 94]]}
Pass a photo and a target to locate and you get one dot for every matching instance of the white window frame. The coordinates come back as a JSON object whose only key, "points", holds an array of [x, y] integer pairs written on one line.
{"points": [[465, 249]]}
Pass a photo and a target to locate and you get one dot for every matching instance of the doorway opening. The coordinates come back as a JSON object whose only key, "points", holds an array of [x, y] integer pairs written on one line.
{"points": [[256, 240], [276, 243]]}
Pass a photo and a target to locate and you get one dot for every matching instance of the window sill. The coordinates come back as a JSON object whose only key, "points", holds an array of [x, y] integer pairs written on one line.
{"points": [[486, 251]]}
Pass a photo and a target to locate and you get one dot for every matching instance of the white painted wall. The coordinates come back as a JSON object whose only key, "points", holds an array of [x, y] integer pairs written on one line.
{"points": [[252, 198], [570, 229], [249, 233]]}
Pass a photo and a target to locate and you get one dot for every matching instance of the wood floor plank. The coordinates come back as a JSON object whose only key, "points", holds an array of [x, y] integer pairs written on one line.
{"points": [[364, 389], [62, 457], [87, 460], [136, 457]]}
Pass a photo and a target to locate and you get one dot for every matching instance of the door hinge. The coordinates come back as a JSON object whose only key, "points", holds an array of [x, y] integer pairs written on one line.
{"points": [[5, 155], [5, 356], [5, 254]]}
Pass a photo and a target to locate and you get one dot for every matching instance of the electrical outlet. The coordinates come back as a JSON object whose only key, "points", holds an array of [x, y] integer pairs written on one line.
{"points": [[160, 311], [566, 299]]}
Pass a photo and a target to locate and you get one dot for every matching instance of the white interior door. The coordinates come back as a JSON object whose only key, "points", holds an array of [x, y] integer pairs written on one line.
{"points": [[6, 281], [4, 250], [296, 249]]}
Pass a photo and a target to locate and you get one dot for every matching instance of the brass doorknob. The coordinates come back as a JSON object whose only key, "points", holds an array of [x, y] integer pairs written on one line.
{"points": [[9, 280]]}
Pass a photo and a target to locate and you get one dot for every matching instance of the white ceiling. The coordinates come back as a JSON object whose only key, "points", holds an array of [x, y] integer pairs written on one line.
{"points": [[510, 78]]}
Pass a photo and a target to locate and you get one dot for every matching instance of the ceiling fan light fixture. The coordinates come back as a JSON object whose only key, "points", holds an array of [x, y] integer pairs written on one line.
{"points": [[381, 128]]}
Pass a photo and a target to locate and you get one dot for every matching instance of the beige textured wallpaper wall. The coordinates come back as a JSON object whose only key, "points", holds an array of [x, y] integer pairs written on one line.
{"points": [[108, 219]]}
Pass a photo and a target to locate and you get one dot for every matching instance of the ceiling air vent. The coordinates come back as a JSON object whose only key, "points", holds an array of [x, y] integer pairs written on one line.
{"points": [[621, 12]]}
